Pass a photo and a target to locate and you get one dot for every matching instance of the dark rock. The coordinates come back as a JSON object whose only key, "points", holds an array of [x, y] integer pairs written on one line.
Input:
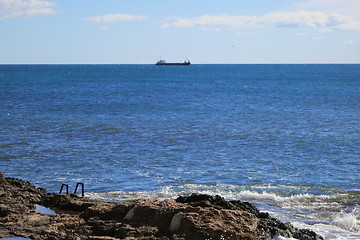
{"points": [[67, 202], [205, 200]]}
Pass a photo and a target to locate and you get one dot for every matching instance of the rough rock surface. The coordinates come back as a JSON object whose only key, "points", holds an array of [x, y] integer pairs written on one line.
{"points": [[193, 217]]}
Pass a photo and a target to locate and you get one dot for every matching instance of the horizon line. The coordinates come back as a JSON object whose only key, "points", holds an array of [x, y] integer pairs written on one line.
{"points": [[279, 63]]}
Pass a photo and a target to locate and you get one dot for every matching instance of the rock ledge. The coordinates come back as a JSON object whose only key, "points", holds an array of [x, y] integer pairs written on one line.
{"points": [[193, 217]]}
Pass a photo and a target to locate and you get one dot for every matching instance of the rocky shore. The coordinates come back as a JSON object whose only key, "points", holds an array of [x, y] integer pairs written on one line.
{"points": [[193, 217]]}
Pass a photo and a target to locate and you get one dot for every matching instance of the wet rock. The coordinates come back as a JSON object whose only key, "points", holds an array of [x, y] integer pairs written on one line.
{"points": [[267, 227]]}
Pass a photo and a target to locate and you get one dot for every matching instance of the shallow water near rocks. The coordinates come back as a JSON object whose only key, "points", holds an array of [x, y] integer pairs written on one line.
{"points": [[44, 210], [16, 238]]}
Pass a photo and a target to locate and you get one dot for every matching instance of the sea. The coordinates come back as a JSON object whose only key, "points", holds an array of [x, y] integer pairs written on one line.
{"points": [[285, 137]]}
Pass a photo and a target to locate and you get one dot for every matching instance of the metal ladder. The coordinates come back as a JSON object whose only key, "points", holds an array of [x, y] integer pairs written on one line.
{"points": [[76, 188]]}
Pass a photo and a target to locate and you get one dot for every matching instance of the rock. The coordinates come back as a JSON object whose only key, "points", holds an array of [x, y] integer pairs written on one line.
{"points": [[18, 196], [39, 226], [211, 223], [217, 201], [67, 202], [193, 217], [175, 224], [267, 227]]}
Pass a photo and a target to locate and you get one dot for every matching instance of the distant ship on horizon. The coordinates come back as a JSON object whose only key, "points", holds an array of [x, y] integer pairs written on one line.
{"points": [[164, 63]]}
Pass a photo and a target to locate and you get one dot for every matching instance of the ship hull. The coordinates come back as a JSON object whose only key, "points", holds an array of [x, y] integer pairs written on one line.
{"points": [[162, 62], [172, 64]]}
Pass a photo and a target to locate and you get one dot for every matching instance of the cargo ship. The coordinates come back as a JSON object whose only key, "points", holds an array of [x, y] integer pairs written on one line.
{"points": [[164, 63]]}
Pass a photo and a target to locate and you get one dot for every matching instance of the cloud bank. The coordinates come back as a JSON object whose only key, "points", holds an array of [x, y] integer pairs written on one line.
{"points": [[25, 9], [112, 18], [310, 19], [345, 7]]}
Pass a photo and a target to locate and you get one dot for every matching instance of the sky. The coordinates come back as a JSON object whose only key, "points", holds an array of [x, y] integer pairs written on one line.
{"points": [[202, 31]]}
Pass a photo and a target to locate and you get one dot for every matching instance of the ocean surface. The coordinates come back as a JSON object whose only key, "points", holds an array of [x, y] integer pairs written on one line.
{"points": [[284, 137]]}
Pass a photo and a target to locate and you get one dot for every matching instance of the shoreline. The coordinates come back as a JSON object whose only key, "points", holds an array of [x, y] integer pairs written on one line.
{"points": [[34, 213]]}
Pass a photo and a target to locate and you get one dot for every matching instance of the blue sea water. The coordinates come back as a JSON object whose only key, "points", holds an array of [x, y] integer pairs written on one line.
{"points": [[285, 137]]}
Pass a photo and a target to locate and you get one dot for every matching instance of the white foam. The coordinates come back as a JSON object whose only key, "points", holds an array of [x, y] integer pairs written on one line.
{"points": [[347, 221], [329, 231]]}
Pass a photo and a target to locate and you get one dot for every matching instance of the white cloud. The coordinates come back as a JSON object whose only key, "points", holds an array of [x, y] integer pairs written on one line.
{"points": [[242, 33], [348, 10], [326, 30], [104, 28], [349, 42], [344, 7], [318, 38], [310, 19], [112, 18], [25, 9], [302, 34]]}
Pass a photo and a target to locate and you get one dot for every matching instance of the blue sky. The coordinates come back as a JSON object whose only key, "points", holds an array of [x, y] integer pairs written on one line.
{"points": [[203, 31]]}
